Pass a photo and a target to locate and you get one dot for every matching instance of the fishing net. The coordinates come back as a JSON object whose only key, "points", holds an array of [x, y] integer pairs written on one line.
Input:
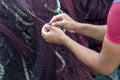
{"points": [[74, 69], [25, 19]]}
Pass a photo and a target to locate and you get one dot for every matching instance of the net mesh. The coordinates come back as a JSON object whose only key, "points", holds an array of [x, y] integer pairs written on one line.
{"points": [[43, 64], [74, 69]]}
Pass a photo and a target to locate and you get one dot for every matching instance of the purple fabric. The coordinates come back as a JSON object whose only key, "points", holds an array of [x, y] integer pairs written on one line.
{"points": [[46, 63], [93, 12], [18, 43]]}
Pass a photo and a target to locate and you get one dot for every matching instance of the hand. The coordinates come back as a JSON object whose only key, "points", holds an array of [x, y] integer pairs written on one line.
{"points": [[64, 21], [53, 34]]}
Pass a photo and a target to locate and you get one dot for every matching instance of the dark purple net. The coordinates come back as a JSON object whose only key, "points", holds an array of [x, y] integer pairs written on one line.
{"points": [[74, 69], [40, 56]]}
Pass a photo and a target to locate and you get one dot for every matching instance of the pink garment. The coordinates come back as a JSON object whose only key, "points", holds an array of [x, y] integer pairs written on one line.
{"points": [[113, 32]]}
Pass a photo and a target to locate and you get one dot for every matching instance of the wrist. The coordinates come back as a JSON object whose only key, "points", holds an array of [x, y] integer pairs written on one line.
{"points": [[65, 40], [79, 27]]}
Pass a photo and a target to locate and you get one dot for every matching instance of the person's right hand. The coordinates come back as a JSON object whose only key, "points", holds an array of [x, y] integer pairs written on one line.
{"points": [[64, 21]]}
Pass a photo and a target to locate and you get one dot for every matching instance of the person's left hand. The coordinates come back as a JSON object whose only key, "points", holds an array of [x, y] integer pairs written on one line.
{"points": [[53, 34]]}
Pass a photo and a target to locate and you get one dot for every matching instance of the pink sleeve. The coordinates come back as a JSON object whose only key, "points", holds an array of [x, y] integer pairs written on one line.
{"points": [[113, 22]]}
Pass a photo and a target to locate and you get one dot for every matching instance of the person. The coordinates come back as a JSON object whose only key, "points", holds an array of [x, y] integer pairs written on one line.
{"points": [[109, 58]]}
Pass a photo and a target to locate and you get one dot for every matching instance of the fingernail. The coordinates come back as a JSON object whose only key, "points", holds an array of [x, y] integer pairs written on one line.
{"points": [[52, 24]]}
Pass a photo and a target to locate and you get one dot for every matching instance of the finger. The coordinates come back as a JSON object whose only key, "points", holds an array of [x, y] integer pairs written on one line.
{"points": [[43, 31], [56, 18], [49, 26], [58, 24], [45, 28]]}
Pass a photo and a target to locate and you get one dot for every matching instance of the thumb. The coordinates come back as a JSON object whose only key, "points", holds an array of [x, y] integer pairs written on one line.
{"points": [[48, 26]]}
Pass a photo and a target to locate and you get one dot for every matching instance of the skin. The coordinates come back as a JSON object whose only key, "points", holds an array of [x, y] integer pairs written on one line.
{"points": [[105, 62]]}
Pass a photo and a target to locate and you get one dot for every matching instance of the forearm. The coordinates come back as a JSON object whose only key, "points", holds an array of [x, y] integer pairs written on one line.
{"points": [[94, 31], [87, 56]]}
